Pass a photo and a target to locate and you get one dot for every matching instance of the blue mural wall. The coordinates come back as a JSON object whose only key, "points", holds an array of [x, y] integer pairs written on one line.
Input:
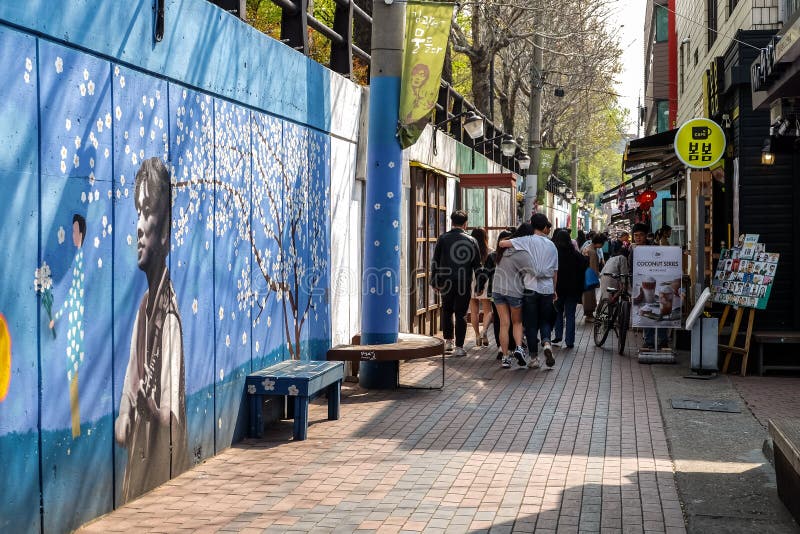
{"points": [[93, 344]]}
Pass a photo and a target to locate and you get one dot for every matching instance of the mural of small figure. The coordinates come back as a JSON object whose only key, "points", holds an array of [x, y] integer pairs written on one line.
{"points": [[73, 307], [152, 412]]}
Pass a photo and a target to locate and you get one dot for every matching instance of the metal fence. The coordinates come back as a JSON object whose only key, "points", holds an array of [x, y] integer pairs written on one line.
{"points": [[295, 23]]}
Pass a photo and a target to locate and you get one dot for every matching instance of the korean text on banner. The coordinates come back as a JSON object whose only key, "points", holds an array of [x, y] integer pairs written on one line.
{"points": [[427, 32], [657, 294]]}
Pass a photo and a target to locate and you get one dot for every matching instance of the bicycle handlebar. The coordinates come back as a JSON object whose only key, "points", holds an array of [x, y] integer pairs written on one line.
{"points": [[617, 276]]}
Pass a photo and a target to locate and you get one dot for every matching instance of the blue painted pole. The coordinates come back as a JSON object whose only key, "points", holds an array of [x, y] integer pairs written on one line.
{"points": [[381, 277]]}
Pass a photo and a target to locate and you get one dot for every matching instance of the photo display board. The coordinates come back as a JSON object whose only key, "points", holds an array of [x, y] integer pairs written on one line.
{"points": [[745, 274], [657, 295]]}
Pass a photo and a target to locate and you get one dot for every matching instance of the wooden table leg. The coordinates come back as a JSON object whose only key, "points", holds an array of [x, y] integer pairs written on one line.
{"points": [[747, 340], [737, 321], [300, 418], [334, 400], [256, 423]]}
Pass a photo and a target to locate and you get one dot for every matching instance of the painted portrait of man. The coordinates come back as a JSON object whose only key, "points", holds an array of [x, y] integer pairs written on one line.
{"points": [[152, 411]]}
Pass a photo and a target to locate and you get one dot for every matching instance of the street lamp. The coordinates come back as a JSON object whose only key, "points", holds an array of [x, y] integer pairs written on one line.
{"points": [[524, 161], [507, 145], [767, 155], [473, 125]]}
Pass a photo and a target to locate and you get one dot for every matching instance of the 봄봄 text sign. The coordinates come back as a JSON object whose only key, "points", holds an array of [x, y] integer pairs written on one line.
{"points": [[699, 143]]}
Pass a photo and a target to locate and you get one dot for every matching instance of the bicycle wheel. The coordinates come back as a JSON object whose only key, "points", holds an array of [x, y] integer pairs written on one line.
{"points": [[602, 322], [624, 321]]}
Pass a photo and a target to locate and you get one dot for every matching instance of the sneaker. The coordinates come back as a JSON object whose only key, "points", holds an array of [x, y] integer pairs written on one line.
{"points": [[459, 352], [570, 346], [557, 340], [483, 341], [499, 355], [519, 354], [505, 363], [448, 345], [548, 355], [535, 363]]}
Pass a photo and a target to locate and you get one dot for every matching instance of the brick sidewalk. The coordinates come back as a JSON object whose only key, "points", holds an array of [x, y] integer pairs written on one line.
{"points": [[769, 396], [580, 447]]}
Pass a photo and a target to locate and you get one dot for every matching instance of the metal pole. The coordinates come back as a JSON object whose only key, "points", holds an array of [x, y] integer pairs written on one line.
{"points": [[533, 182], [574, 206], [381, 277]]}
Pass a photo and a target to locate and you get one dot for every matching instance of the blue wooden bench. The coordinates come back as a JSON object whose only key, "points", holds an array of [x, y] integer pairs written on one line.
{"points": [[300, 380]]}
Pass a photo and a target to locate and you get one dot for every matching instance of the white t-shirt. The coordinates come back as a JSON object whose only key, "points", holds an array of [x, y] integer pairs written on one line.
{"points": [[545, 262]]}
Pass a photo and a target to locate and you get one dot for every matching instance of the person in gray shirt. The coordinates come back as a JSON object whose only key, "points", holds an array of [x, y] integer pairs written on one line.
{"points": [[507, 292]]}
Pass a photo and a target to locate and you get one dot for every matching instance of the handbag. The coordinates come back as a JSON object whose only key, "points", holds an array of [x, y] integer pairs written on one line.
{"points": [[590, 279]]}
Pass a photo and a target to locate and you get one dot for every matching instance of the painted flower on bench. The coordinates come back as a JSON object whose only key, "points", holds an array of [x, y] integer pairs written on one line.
{"points": [[251, 389], [268, 384], [293, 390]]}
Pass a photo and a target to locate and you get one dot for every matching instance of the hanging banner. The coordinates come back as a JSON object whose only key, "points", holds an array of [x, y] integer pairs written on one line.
{"points": [[699, 143], [657, 296], [427, 32], [546, 158]]}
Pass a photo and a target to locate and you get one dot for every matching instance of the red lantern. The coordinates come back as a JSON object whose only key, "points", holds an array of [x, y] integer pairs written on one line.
{"points": [[646, 198]]}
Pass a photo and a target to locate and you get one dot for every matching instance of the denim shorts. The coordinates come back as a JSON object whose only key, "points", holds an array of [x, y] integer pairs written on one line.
{"points": [[514, 302]]}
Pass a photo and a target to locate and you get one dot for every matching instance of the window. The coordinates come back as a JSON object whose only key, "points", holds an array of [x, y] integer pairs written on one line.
{"points": [[696, 57], [429, 217], [662, 23], [662, 116], [711, 21], [682, 68], [732, 5]]}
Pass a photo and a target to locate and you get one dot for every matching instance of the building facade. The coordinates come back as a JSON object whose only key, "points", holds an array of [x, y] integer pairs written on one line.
{"points": [[660, 75]]}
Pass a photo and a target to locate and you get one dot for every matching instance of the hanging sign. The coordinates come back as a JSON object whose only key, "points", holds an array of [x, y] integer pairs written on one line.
{"points": [[427, 33], [657, 295], [699, 143]]}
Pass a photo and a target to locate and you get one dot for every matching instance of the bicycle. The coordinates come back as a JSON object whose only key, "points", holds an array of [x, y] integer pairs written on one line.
{"points": [[613, 312]]}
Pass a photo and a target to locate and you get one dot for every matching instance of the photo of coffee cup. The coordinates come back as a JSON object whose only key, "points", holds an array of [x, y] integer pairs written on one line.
{"points": [[665, 301]]}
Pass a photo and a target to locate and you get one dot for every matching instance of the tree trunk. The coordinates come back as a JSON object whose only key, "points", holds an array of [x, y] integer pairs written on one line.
{"points": [[447, 69], [480, 83]]}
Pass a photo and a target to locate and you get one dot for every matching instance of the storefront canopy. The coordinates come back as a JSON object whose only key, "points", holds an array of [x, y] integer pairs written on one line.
{"points": [[652, 163]]}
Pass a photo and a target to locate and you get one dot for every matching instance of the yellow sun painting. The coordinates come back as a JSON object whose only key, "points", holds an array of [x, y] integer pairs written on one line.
{"points": [[5, 358]]}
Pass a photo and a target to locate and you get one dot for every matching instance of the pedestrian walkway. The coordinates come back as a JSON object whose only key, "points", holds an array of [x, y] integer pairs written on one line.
{"points": [[578, 448]]}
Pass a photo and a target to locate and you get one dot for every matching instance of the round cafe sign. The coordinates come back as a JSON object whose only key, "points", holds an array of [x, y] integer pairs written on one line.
{"points": [[699, 143]]}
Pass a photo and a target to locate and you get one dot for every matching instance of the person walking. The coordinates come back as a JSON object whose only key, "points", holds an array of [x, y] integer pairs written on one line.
{"points": [[569, 287], [489, 269], [663, 235], [480, 298], [538, 313], [507, 292], [589, 296], [455, 259]]}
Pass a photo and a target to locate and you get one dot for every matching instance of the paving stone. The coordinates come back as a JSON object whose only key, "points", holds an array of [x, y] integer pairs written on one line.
{"points": [[573, 449]]}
